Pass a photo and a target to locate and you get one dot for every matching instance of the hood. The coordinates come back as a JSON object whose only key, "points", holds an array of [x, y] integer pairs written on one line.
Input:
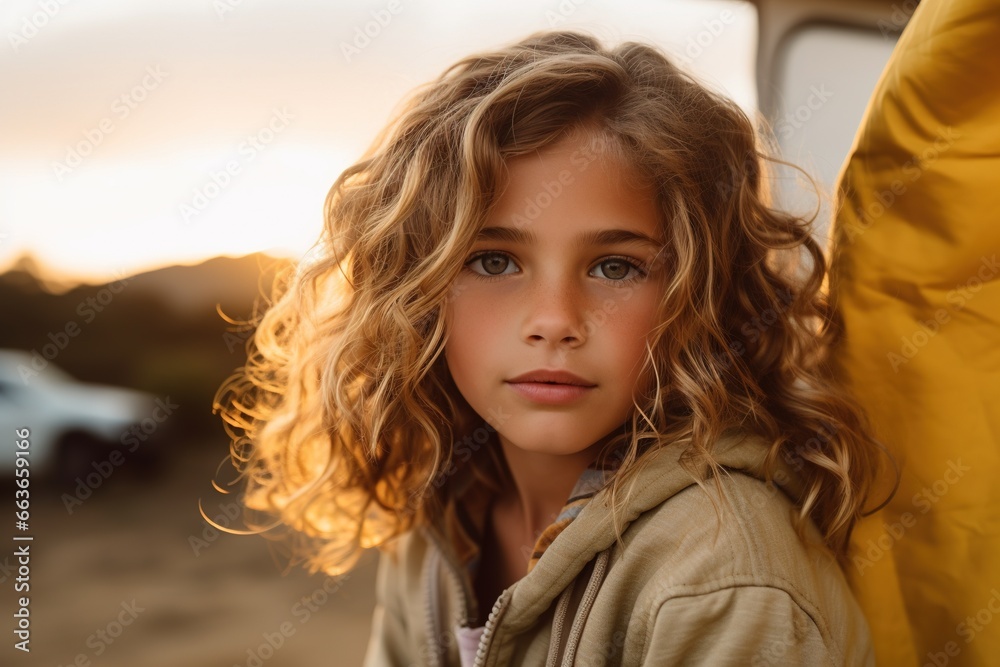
{"points": [[593, 530]]}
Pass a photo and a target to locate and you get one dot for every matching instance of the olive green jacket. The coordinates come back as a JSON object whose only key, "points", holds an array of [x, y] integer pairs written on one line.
{"points": [[686, 589]]}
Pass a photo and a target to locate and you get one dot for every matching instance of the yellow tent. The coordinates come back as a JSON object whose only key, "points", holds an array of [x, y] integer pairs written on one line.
{"points": [[916, 273]]}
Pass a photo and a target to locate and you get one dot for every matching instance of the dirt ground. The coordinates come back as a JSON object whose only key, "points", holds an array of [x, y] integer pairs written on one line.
{"points": [[119, 583]]}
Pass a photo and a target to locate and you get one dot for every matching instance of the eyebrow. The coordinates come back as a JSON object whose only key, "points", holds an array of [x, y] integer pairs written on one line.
{"points": [[591, 238]]}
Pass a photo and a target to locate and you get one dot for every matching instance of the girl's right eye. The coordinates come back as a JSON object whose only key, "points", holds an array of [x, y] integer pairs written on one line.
{"points": [[493, 263]]}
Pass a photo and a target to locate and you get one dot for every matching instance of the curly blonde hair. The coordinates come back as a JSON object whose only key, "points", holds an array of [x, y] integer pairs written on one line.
{"points": [[345, 422]]}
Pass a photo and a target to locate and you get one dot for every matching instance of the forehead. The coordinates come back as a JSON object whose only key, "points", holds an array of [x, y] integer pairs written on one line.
{"points": [[578, 186]]}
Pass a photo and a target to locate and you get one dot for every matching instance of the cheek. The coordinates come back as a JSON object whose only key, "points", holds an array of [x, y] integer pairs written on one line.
{"points": [[629, 344], [630, 330], [472, 327]]}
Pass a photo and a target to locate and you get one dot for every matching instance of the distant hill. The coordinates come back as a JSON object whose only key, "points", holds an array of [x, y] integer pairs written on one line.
{"points": [[229, 281], [226, 280], [159, 331]]}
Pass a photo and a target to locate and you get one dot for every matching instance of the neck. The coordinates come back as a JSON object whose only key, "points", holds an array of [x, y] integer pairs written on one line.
{"points": [[539, 485]]}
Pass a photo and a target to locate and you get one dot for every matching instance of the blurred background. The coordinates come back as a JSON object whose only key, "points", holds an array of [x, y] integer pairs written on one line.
{"points": [[159, 162]]}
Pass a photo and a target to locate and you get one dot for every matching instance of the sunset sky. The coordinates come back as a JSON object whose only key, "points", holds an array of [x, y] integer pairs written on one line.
{"points": [[116, 114]]}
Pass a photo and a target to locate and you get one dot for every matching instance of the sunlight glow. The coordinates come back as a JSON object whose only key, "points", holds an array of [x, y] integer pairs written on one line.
{"points": [[150, 134]]}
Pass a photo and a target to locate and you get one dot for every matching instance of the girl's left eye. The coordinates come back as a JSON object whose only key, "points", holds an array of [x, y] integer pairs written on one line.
{"points": [[615, 270], [619, 268]]}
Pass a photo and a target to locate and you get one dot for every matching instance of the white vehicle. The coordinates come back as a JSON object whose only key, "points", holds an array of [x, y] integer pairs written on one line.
{"points": [[71, 424]]}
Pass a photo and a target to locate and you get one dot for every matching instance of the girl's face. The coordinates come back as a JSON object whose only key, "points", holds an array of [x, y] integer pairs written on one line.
{"points": [[555, 283]]}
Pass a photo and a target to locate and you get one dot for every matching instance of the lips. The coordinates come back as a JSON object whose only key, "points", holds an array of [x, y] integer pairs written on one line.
{"points": [[552, 376], [551, 387]]}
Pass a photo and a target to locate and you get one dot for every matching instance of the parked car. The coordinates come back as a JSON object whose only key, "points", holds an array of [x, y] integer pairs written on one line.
{"points": [[72, 425]]}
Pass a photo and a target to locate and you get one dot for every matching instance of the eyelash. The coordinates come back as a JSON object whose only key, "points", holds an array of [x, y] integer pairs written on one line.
{"points": [[615, 283]]}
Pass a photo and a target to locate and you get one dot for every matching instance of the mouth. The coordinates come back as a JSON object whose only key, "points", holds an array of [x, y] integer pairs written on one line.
{"points": [[552, 377], [550, 393], [551, 387]]}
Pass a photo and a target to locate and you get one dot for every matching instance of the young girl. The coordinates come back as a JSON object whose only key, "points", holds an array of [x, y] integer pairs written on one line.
{"points": [[561, 362]]}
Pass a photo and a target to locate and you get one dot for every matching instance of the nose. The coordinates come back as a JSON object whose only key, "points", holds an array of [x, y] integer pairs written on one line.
{"points": [[555, 313]]}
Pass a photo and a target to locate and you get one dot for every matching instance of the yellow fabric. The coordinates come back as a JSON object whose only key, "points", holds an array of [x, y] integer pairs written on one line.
{"points": [[915, 270]]}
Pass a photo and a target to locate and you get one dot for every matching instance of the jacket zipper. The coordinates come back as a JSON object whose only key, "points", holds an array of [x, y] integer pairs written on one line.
{"points": [[558, 621], [432, 609], [491, 624], [433, 621], [453, 572], [431, 583], [589, 593]]}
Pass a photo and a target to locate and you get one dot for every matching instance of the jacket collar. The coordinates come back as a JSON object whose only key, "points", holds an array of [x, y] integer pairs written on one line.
{"points": [[459, 530], [592, 532]]}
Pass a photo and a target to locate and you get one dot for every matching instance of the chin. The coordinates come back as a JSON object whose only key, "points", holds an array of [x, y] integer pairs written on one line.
{"points": [[556, 451], [549, 446]]}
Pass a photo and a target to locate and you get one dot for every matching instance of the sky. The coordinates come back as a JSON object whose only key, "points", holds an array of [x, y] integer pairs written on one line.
{"points": [[137, 135]]}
